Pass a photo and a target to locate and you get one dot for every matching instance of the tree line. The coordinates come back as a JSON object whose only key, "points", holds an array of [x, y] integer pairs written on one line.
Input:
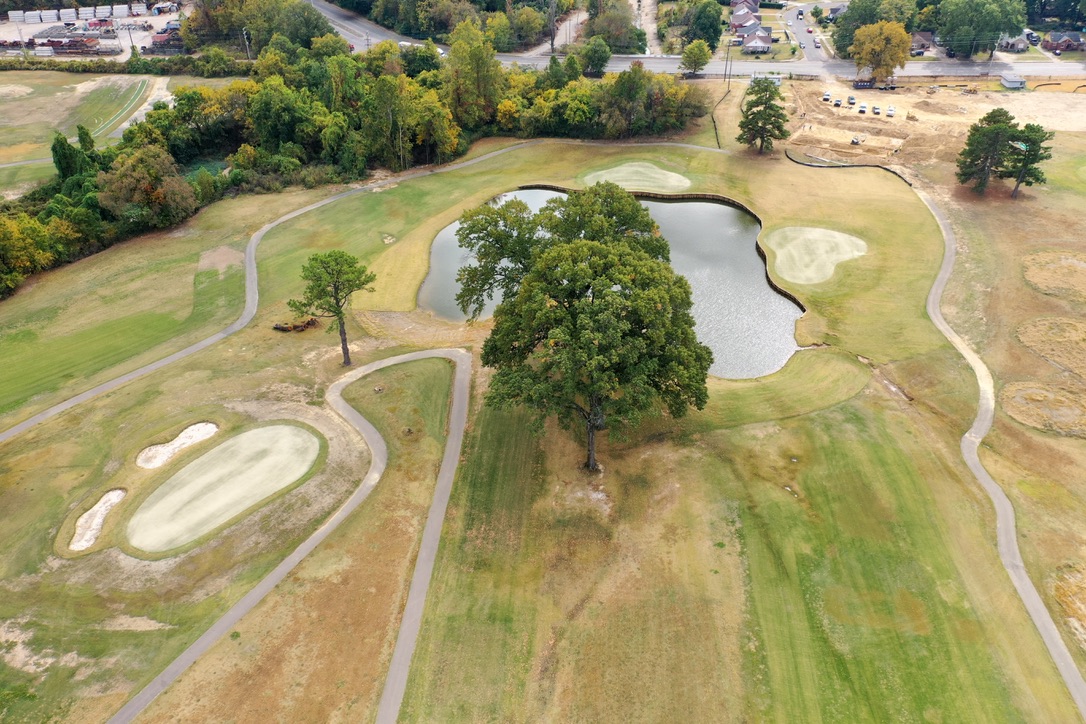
{"points": [[966, 27], [313, 114]]}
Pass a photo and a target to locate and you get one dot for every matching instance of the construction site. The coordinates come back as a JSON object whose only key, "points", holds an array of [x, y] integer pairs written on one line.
{"points": [[105, 30]]}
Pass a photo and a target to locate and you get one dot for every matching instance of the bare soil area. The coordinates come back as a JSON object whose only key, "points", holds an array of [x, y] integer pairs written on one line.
{"points": [[927, 125], [1059, 273]]}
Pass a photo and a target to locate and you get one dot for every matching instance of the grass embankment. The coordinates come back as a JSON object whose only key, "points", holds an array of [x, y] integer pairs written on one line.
{"points": [[995, 301], [100, 103], [18, 180], [81, 324], [348, 595], [592, 596]]}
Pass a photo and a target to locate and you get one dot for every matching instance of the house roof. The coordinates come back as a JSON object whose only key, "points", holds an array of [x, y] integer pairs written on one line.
{"points": [[834, 12], [757, 41], [750, 28], [1057, 35]]}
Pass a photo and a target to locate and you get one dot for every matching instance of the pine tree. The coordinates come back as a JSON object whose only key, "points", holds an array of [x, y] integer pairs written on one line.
{"points": [[1027, 150], [763, 118], [986, 148]]}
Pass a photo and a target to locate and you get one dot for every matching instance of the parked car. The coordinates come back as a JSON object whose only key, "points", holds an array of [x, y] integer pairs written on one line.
{"points": [[818, 43], [852, 100], [810, 30], [863, 108], [837, 103], [876, 110], [1057, 51], [802, 44], [826, 96], [890, 111]]}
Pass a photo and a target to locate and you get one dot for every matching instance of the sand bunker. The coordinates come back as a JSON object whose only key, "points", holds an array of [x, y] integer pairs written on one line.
{"points": [[89, 525], [156, 456], [808, 255], [1046, 407], [1059, 273], [1060, 340], [641, 176], [221, 484]]}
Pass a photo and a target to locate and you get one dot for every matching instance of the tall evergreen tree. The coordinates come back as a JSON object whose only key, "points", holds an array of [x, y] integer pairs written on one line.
{"points": [[763, 118], [1025, 153], [986, 148]]}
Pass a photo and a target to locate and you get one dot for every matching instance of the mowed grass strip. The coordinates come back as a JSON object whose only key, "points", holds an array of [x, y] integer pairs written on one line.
{"points": [[60, 102], [75, 326], [857, 605], [326, 634], [564, 597]]}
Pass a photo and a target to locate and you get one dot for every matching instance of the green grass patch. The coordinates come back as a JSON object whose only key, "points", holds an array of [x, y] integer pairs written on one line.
{"points": [[30, 365], [48, 102], [18, 180]]}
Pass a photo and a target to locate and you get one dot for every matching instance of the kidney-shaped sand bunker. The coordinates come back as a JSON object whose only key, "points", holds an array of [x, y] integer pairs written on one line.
{"points": [[220, 484]]}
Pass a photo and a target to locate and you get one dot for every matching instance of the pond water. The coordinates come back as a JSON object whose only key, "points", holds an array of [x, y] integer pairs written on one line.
{"points": [[748, 325]]}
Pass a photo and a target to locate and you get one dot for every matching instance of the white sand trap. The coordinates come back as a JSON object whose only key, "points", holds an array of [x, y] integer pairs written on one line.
{"points": [[220, 484], [89, 525], [807, 255], [156, 456], [640, 176]]}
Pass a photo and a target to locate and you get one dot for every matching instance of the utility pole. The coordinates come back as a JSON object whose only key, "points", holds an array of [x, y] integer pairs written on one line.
{"points": [[727, 64]]}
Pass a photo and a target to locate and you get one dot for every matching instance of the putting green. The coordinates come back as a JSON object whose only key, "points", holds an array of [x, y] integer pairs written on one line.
{"points": [[640, 176], [220, 484], [809, 255]]}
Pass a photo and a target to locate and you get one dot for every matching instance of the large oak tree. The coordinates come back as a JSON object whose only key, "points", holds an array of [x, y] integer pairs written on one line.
{"points": [[595, 327]]}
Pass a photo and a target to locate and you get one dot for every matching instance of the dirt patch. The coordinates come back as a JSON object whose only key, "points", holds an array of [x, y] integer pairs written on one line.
{"points": [[15, 91], [220, 259], [156, 456], [806, 255], [1070, 591], [1060, 340], [220, 484], [641, 176], [1059, 273], [125, 622], [89, 525], [1046, 407]]}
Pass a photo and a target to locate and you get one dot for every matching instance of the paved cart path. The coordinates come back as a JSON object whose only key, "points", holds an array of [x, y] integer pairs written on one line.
{"points": [[1006, 533], [420, 582]]}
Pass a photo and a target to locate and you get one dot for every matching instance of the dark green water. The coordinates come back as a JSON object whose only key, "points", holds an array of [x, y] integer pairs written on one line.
{"points": [[747, 324]]}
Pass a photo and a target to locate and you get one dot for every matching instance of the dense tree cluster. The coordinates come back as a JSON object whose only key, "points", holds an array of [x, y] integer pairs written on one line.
{"points": [[594, 327], [966, 27], [312, 114]]}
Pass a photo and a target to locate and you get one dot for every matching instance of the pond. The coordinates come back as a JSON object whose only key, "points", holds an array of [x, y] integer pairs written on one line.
{"points": [[749, 326]]}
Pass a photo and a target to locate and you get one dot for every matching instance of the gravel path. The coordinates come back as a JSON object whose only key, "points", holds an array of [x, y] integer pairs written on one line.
{"points": [[1006, 534], [420, 582]]}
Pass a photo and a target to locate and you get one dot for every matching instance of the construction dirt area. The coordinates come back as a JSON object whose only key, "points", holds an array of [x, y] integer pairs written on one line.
{"points": [[930, 123]]}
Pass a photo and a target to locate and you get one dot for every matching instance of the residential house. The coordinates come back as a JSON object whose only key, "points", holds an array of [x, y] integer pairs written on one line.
{"points": [[1013, 45], [922, 40], [743, 17], [758, 42], [835, 12], [1063, 40], [746, 30], [751, 4]]}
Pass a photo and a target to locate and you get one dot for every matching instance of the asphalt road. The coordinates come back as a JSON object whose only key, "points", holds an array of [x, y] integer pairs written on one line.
{"points": [[1006, 533], [814, 62], [420, 583]]}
